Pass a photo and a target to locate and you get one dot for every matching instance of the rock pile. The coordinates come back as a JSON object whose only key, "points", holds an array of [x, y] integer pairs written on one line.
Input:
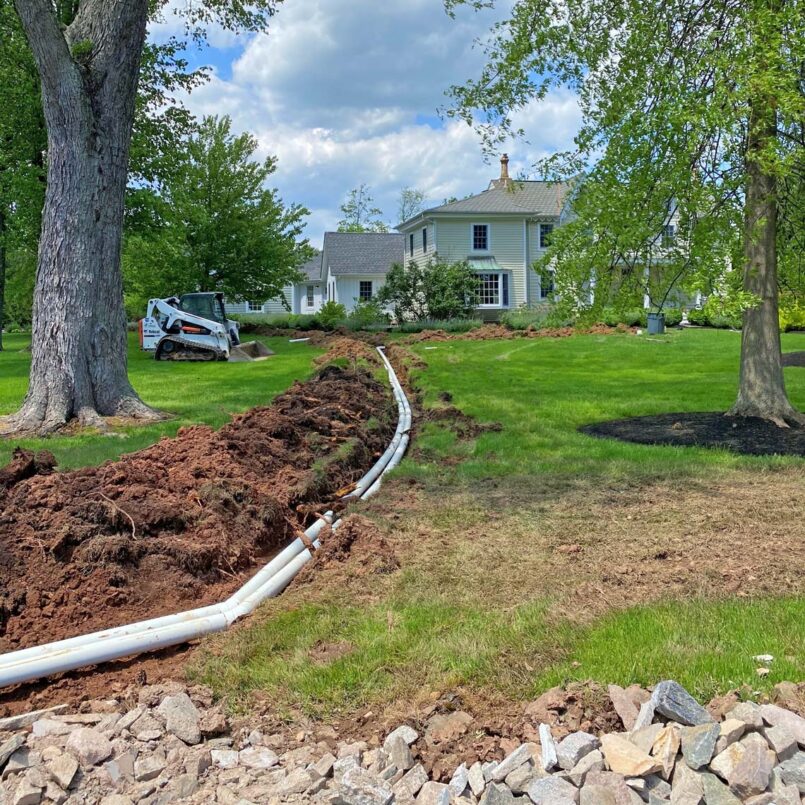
{"points": [[172, 744]]}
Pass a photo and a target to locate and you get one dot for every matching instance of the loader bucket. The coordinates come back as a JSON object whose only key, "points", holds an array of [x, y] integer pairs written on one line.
{"points": [[251, 351]]}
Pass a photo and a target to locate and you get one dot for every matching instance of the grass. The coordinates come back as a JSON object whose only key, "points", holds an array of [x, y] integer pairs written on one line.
{"points": [[191, 393], [485, 601], [543, 390]]}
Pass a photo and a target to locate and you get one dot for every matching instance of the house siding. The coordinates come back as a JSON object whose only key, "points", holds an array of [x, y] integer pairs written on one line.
{"points": [[419, 255], [348, 288]]}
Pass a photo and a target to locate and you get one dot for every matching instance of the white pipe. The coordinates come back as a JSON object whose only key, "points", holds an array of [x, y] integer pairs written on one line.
{"points": [[182, 627]]}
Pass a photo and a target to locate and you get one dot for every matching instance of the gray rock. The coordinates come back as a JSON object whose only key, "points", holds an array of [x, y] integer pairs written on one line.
{"points": [[475, 777], [358, 787], [699, 743], [89, 746], [257, 758], [433, 794], [716, 793], [644, 737], [671, 700], [574, 747], [514, 760], [225, 758], [686, 787], [399, 753], [26, 793], [460, 780], [519, 780], [297, 782], [9, 747], [50, 726], [408, 734], [594, 761], [782, 742], [497, 794], [552, 791], [149, 767], [597, 795], [14, 723], [63, 768], [181, 718], [657, 786], [121, 768], [410, 784], [792, 771], [784, 794], [746, 766], [549, 759], [780, 717], [323, 767], [749, 713], [645, 716], [184, 786]]}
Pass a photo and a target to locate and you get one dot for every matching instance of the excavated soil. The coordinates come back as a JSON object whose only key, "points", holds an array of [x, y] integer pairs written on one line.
{"points": [[497, 331], [747, 435], [183, 522]]}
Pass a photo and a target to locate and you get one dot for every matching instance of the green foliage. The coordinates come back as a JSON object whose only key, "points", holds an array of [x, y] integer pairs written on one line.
{"points": [[366, 314], [792, 314], [216, 225], [448, 325], [359, 214], [411, 203], [524, 317], [437, 290], [81, 51], [331, 314]]}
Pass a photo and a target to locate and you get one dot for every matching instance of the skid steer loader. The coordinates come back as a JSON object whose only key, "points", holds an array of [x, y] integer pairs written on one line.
{"points": [[195, 327]]}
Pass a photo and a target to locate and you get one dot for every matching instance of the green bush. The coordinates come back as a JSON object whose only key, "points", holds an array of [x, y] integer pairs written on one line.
{"points": [[448, 325], [673, 316], [331, 315], [792, 314], [698, 317], [524, 317], [368, 315]]}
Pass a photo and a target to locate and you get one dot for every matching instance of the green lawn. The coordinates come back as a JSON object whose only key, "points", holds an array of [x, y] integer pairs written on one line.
{"points": [[191, 393], [484, 600]]}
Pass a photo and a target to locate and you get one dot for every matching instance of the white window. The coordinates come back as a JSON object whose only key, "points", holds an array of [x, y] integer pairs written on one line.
{"points": [[310, 289], [546, 287], [493, 290], [365, 290], [668, 236], [255, 307], [480, 237], [545, 232]]}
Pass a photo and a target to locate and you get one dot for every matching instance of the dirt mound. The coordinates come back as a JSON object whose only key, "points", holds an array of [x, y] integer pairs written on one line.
{"points": [[747, 435], [351, 349], [794, 358], [355, 549], [183, 522], [493, 331], [463, 425]]}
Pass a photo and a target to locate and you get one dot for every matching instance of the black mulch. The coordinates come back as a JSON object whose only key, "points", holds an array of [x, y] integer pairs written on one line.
{"points": [[794, 359], [748, 435]]}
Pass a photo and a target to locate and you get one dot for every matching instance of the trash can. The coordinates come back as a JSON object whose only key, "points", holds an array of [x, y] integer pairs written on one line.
{"points": [[656, 323]]}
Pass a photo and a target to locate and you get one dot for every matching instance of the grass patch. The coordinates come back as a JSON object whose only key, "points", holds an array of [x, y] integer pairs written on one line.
{"points": [[708, 647], [193, 393]]}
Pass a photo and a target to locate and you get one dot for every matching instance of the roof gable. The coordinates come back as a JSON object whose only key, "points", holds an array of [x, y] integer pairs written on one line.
{"points": [[362, 252]]}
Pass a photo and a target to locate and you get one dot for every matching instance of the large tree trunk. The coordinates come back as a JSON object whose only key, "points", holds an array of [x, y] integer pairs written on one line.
{"points": [[89, 77], [762, 386], [3, 253]]}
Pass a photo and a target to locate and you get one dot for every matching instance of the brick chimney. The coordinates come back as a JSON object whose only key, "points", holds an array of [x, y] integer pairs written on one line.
{"points": [[505, 180]]}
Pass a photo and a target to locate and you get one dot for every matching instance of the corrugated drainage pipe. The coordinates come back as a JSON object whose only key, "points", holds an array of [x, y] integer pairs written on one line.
{"points": [[172, 630]]}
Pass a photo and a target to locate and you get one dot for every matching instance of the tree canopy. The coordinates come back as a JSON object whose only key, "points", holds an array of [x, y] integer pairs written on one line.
{"points": [[219, 228], [359, 214]]}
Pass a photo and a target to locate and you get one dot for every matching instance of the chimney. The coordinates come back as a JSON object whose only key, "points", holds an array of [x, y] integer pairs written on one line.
{"points": [[504, 169]]}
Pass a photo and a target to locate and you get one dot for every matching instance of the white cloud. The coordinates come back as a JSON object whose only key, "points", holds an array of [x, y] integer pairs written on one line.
{"points": [[347, 91]]}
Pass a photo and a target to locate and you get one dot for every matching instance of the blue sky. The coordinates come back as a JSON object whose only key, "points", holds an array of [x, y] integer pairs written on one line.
{"points": [[346, 92]]}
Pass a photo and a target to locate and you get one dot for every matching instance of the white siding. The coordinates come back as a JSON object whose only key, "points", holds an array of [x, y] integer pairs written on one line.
{"points": [[419, 255], [275, 305], [300, 302], [348, 287]]}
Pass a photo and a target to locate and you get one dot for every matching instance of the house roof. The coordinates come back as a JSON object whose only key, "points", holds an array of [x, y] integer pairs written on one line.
{"points": [[507, 197], [362, 252], [311, 270]]}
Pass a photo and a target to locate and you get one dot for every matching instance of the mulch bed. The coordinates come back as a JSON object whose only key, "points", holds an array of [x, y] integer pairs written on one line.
{"points": [[184, 522], [747, 435], [794, 358]]}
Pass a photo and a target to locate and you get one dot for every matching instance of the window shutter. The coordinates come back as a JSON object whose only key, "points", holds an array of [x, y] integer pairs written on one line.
{"points": [[504, 278]]}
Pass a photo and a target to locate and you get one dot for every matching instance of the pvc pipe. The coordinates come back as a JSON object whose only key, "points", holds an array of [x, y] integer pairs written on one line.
{"points": [[170, 630]]}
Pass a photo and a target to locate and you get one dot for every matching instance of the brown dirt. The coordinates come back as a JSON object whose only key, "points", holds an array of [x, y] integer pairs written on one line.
{"points": [[463, 425], [183, 522], [497, 331], [747, 435]]}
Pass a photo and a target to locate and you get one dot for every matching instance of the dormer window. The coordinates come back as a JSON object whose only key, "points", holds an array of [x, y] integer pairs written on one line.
{"points": [[480, 237]]}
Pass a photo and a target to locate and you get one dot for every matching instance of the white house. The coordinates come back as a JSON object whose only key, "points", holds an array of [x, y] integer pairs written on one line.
{"points": [[500, 232], [351, 268]]}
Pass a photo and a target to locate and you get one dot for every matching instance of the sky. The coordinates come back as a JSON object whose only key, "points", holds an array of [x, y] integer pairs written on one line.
{"points": [[345, 92]]}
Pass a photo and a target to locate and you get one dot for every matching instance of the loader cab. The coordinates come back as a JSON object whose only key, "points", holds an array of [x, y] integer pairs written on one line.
{"points": [[207, 305]]}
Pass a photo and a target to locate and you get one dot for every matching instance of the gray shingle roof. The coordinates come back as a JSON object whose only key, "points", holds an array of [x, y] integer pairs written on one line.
{"points": [[362, 252], [516, 198], [312, 268]]}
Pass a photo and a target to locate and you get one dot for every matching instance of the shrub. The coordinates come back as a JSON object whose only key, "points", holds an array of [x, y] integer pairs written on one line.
{"points": [[437, 290], [524, 317], [792, 314], [367, 315], [448, 325], [331, 315], [673, 316], [697, 316]]}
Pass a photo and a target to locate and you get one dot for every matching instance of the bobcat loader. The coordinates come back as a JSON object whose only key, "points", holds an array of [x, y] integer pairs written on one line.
{"points": [[194, 327]]}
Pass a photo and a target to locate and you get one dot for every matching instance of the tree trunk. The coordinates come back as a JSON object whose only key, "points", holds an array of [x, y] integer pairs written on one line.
{"points": [[79, 346], [2, 275], [762, 385]]}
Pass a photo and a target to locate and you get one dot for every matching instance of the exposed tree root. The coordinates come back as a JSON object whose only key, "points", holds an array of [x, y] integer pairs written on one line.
{"points": [[783, 416]]}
